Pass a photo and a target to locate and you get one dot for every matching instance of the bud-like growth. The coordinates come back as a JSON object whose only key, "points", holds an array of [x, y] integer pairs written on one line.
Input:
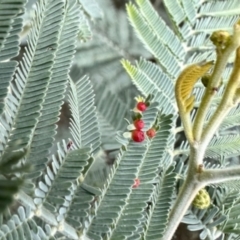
{"points": [[220, 38], [202, 199], [151, 133], [138, 124]]}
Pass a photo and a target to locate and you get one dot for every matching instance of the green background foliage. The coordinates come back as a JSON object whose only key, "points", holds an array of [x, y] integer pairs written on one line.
{"points": [[66, 54]]}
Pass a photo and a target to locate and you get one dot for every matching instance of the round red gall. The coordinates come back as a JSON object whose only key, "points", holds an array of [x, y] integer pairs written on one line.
{"points": [[151, 133], [141, 106], [139, 124], [137, 135]]}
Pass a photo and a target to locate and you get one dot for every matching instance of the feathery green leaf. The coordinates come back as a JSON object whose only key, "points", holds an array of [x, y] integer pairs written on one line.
{"points": [[42, 139], [33, 74], [84, 124]]}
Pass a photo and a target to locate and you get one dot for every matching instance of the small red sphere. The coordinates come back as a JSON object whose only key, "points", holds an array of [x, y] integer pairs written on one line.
{"points": [[141, 106], [139, 124], [151, 133], [137, 135]]}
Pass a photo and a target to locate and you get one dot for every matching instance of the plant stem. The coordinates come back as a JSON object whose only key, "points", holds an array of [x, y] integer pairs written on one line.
{"points": [[183, 201], [215, 80], [211, 176], [193, 183], [227, 102], [188, 191], [196, 178]]}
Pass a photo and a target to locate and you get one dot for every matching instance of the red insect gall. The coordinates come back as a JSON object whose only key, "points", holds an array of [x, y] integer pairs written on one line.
{"points": [[151, 133], [139, 124], [137, 135], [141, 106], [136, 183]]}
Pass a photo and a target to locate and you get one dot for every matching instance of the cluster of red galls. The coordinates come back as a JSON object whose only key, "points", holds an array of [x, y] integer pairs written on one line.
{"points": [[137, 134]]}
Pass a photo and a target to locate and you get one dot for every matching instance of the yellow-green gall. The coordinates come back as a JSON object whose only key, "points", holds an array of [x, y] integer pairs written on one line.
{"points": [[221, 38], [205, 79], [202, 199]]}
